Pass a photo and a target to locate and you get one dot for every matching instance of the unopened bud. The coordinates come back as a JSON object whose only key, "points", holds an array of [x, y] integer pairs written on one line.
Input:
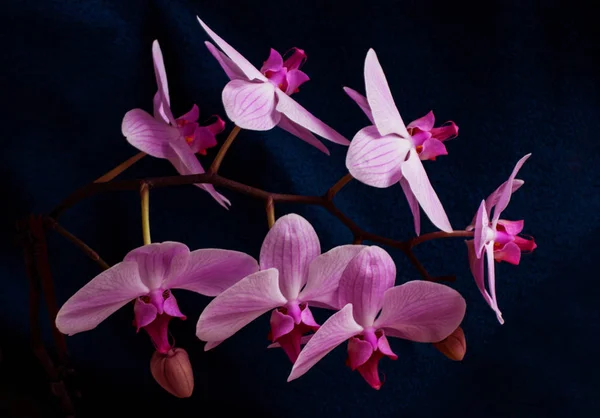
{"points": [[173, 372], [454, 346]]}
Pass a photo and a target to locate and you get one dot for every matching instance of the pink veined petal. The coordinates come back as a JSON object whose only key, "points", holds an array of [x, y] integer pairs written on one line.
{"points": [[421, 311], [281, 324], [337, 329], [303, 117], [324, 275], [361, 101], [161, 81], [211, 271], [144, 313], [243, 64], [290, 246], [512, 227], [273, 63], [101, 297], [481, 229], [432, 148], [159, 262], [386, 115], [424, 123], [504, 195], [170, 306], [159, 109], [364, 281], [510, 252], [413, 204], [239, 305], [192, 115], [489, 250], [185, 162], [304, 134], [376, 160], [251, 105], [415, 174], [211, 344], [295, 78], [492, 199], [303, 340], [476, 265], [230, 68], [359, 351], [148, 134]]}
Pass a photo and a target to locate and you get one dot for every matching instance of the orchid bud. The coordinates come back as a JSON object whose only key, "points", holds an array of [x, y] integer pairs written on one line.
{"points": [[454, 346], [173, 372]]}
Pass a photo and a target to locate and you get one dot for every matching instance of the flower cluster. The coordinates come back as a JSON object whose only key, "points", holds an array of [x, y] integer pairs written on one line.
{"points": [[292, 275]]}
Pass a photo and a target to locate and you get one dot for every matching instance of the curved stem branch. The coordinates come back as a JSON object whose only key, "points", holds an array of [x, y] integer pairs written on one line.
{"points": [[270, 208], [120, 168], [214, 168], [333, 190]]}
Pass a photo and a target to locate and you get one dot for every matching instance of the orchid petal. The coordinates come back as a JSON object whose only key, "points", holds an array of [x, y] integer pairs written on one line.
{"points": [[159, 262], [230, 68], [148, 134], [447, 131], [386, 115], [421, 311], [251, 105], [419, 183], [432, 148], [273, 63], [481, 229], [247, 68], [492, 199], [303, 117], [512, 227], [192, 115], [211, 271], [295, 60], [476, 265], [144, 313], [239, 305], [101, 297], [510, 252], [359, 351], [361, 101], [162, 83], [424, 123], [186, 163], [303, 340], [290, 246], [337, 329], [376, 160], [204, 138], [489, 250], [281, 324], [295, 78], [301, 132], [324, 275], [211, 344], [364, 281], [413, 204], [419, 137], [504, 195], [170, 306]]}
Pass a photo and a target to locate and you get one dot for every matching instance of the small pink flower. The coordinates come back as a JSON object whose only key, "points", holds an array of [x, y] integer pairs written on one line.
{"points": [[147, 276], [260, 100], [373, 308], [499, 238], [294, 276], [388, 152], [177, 140]]}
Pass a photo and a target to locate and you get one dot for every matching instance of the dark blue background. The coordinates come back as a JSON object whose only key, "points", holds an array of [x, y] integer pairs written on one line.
{"points": [[516, 78]]}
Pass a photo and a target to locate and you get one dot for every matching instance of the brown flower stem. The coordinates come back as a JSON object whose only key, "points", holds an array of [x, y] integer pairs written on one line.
{"points": [[51, 223], [333, 190], [214, 168], [437, 235], [120, 168], [270, 208], [145, 196]]}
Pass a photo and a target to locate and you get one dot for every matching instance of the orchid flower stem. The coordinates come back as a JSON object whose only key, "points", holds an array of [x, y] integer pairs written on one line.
{"points": [[437, 235], [145, 194], [270, 208], [120, 168], [214, 168], [333, 190]]}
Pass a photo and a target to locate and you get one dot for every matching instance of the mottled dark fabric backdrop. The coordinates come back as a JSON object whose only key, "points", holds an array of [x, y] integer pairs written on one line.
{"points": [[516, 78]]}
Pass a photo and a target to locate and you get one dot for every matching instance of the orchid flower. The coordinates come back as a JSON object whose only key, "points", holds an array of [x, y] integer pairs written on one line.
{"points": [[177, 140], [499, 238], [373, 308], [293, 277], [259, 100], [388, 152], [147, 275]]}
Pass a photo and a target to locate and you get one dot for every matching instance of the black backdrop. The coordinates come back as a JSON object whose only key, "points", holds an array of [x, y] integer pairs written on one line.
{"points": [[514, 76]]}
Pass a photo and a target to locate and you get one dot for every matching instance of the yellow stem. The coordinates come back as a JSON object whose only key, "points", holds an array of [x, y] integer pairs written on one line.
{"points": [[145, 194], [120, 168], [214, 168], [270, 207]]}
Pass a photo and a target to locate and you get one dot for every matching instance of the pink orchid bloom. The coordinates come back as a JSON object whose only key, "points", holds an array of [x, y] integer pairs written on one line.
{"points": [[373, 308], [499, 238], [177, 140], [294, 276], [147, 275], [259, 100], [388, 152]]}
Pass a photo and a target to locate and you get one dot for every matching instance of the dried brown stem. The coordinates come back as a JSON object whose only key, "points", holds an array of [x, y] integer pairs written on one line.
{"points": [[333, 190]]}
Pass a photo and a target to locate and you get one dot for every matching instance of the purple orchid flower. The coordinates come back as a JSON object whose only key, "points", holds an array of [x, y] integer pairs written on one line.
{"points": [[499, 238], [177, 140], [293, 277], [259, 100], [147, 275], [373, 308], [388, 152]]}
